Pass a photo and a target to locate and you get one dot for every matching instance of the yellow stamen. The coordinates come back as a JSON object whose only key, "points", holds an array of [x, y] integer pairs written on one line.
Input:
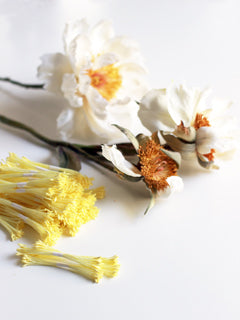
{"points": [[52, 200], [93, 268], [156, 166], [107, 80]]}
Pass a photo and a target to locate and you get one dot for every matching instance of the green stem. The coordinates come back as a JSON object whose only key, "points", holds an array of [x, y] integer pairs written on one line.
{"points": [[79, 149], [20, 84]]}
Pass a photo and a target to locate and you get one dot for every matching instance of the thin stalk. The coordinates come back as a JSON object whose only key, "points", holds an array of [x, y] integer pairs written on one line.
{"points": [[79, 149], [23, 85]]}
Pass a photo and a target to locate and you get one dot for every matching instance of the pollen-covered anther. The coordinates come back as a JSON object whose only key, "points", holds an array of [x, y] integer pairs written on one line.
{"points": [[156, 166], [201, 121], [107, 80]]}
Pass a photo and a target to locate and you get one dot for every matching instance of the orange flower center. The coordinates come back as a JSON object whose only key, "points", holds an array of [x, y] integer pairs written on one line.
{"points": [[201, 121], [210, 155], [156, 166], [107, 80]]}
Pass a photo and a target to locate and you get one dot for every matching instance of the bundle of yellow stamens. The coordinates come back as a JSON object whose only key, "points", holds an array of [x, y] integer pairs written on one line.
{"points": [[51, 200], [93, 268]]}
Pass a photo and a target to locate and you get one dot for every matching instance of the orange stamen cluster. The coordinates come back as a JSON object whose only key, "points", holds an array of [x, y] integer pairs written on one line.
{"points": [[107, 80], [156, 166], [201, 121], [210, 155]]}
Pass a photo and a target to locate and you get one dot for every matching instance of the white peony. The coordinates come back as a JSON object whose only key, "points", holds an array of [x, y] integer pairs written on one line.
{"points": [[101, 76], [202, 129]]}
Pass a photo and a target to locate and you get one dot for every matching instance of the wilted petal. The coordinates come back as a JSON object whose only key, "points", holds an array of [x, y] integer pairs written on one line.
{"points": [[115, 156]]}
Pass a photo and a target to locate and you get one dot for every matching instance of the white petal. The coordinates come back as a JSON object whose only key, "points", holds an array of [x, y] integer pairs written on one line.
{"points": [[154, 113], [184, 103], [125, 49], [175, 185], [52, 70], [96, 102], [205, 140], [104, 60], [125, 115], [80, 53], [69, 89], [65, 123], [100, 34], [134, 82], [115, 156], [72, 29]]}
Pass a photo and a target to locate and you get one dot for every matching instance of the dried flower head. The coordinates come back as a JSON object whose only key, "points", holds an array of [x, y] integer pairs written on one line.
{"points": [[157, 167]]}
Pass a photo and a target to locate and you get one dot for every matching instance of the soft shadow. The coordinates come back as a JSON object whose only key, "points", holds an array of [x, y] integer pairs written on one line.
{"points": [[191, 168]]}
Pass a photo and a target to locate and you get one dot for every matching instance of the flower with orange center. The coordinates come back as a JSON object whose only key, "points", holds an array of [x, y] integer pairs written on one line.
{"points": [[156, 166], [187, 124], [102, 77], [107, 80]]}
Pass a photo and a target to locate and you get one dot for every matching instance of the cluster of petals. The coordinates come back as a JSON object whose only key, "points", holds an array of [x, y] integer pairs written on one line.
{"points": [[185, 113], [101, 76]]}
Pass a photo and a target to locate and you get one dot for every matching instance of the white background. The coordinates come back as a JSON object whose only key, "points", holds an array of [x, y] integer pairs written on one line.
{"points": [[182, 261]]}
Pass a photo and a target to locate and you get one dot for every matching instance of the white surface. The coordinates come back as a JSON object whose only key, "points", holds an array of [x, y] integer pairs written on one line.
{"points": [[182, 261]]}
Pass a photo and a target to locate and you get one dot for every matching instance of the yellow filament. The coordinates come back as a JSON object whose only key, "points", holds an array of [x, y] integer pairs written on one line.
{"points": [[93, 268], [51, 200]]}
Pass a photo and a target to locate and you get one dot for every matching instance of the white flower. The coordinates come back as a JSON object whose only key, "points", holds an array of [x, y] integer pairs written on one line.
{"points": [[203, 130], [101, 76]]}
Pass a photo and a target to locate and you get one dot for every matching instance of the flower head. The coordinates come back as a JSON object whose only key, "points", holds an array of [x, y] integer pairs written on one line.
{"points": [[156, 166], [187, 124], [101, 75]]}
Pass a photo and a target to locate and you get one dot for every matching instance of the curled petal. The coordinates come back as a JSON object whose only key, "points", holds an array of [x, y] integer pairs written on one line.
{"points": [[115, 156]]}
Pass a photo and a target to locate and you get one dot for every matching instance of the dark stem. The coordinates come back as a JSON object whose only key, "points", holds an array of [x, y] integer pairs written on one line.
{"points": [[79, 149], [24, 85]]}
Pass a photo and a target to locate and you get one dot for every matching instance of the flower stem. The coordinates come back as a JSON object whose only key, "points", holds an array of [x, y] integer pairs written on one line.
{"points": [[20, 84], [87, 152]]}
